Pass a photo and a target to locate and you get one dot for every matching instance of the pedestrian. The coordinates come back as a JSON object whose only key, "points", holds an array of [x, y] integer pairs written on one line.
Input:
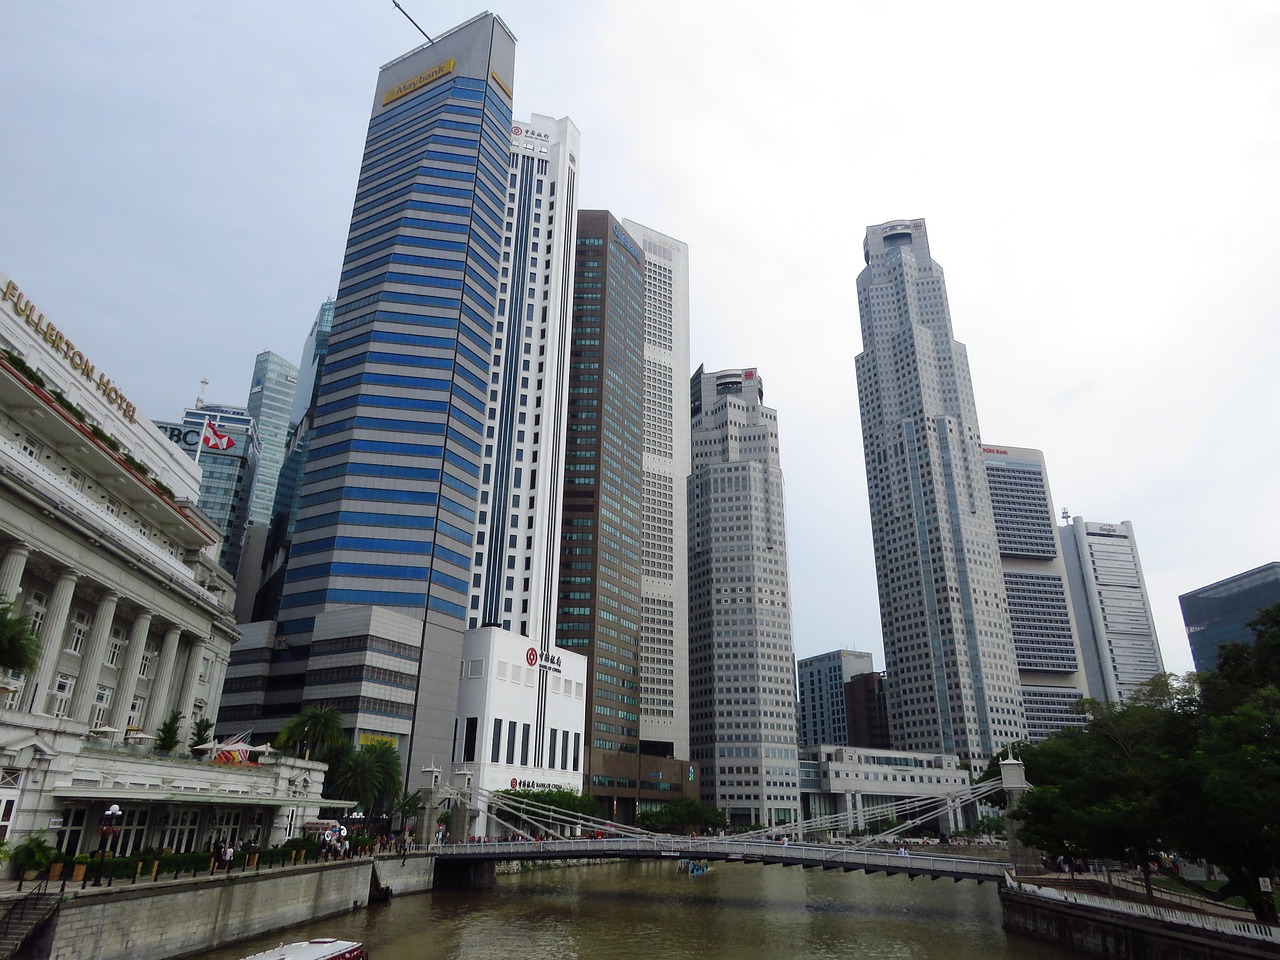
{"points": [[227, 856]]}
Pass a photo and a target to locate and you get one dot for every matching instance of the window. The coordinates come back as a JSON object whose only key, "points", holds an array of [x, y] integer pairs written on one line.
{"points": [[80, 624]]}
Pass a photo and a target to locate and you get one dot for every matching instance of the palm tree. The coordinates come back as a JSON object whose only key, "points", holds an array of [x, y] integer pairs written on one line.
{"points": [[317, 726], [19, 646], [370, 776]]}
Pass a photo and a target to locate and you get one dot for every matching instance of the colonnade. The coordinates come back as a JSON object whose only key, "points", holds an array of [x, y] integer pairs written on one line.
{"points": [[185, 672]]}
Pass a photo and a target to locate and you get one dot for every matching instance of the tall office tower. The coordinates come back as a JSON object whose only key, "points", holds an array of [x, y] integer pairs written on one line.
{"points": [[951, 668], [821, 716], [381, 561], [664, 580], [742, 679], [228, 469], [275, 381], [598, 609], [518, 534], [275, 550], [1113, 614], [1221, 612], [1035, 581]]}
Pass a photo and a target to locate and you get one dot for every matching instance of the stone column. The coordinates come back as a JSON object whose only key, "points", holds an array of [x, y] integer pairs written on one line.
{"points": [[158, 700], [217, 677], [95, 648], [36, 693], [11, 570], [127, 683], [188, 690]]}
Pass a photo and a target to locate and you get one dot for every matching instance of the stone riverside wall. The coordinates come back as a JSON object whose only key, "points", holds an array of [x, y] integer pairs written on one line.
{"points": [[412, 873], [188, 918], [1110, 935]]}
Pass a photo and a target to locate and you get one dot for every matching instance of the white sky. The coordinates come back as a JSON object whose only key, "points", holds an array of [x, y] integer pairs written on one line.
{"points": [[1099, 181]]}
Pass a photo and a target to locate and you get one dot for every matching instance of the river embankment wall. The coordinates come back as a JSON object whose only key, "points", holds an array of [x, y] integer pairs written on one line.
{"points": [[188, 918], [1129, 931]]}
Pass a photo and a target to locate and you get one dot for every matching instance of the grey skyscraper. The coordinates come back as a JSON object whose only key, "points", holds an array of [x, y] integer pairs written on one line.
{"points": [[275, 381], [742, 680], [1035, 580], [951, 669], [1113, 613]]}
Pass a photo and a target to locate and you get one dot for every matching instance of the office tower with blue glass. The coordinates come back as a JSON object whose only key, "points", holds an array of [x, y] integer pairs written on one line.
{"points": [[951, 669], [821, 714], [375, 598], [271, 395], [1221, 612], [228, 471]]}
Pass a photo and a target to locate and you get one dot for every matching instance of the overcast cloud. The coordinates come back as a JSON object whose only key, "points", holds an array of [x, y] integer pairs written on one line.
{"points": [[1099, 182]]}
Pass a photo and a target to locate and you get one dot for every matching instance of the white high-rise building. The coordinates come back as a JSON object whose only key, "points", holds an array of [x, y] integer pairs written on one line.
{"points": [[1035, 581], [1117, 632], [951, 670], [664, 581], [742, 686]]}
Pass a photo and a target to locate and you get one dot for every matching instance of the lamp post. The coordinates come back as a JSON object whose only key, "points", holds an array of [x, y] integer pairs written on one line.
{"points": [[108, 827]]}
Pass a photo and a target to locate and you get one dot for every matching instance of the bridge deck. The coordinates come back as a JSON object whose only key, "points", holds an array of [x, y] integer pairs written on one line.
{"points": [[810, 855]]}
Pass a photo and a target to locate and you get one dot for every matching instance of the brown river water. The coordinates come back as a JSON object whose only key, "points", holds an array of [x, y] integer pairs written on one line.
{"points": [[646, 910]]}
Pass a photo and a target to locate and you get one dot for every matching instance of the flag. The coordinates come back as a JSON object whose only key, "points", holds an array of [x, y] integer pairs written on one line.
{"points": [[234, 750], [215, 440]]}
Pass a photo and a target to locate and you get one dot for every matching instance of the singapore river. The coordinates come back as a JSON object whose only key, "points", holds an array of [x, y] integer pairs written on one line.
{"points": [[645, 910]]}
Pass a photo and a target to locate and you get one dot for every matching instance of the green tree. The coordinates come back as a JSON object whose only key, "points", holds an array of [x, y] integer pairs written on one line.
{"points": [[201, 733], [318, 726], [19, 646], [682, 815], [167, 732], [370, 776], [1190, 765]]}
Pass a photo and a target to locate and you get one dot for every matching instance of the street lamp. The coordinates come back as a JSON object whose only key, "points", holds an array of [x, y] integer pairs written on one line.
{"points": [[108, 827]]}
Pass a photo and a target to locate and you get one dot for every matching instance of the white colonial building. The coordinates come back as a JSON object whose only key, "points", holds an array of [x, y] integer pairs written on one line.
{"points": [[103, 546]]}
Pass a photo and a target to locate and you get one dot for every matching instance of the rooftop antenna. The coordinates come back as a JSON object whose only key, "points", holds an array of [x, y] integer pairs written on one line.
{"points": [[204, 382], [396, 4], [1066, 515]]}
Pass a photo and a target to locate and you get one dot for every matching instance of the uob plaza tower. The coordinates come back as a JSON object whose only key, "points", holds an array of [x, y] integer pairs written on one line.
{"points": [[380, 576]]}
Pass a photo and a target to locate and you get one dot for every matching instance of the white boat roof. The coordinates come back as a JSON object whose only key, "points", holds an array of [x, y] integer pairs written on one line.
{"points": [[322, 948]]}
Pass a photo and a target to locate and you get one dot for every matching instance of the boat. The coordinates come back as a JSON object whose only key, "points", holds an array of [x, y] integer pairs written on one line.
{"points": [[322, 948]]}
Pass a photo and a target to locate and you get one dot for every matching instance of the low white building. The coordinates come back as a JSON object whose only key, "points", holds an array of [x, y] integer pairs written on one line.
{"points": [[863, 785], [521, 711]]}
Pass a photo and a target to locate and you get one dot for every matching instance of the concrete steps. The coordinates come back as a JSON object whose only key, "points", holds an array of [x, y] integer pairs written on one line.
{"points": [[22, 919]]}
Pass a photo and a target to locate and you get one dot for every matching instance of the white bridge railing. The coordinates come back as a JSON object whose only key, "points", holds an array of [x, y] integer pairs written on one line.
{"points": [[725, 848]]}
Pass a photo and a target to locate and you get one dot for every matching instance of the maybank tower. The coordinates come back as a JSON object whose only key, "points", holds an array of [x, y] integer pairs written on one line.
{"points": [[428, 512]]}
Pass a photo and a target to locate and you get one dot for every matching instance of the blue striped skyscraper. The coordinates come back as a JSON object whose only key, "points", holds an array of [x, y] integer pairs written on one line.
{"points": [[381, 564]]}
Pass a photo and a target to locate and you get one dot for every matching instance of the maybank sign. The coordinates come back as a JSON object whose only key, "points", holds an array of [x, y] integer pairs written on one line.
{"points": [[418, 82]]}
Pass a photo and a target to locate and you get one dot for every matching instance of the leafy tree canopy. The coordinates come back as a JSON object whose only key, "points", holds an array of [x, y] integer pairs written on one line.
{"points": [[19, 646], [1190, 765], [682, 815], [317, 727]]}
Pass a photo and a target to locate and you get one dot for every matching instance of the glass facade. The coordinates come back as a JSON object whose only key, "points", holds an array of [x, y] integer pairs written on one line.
{"points": [[1220, 613], [275, 380]]}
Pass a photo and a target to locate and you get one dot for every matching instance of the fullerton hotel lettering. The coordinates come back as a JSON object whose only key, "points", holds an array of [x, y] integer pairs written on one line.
{"points": [[25, 310]]}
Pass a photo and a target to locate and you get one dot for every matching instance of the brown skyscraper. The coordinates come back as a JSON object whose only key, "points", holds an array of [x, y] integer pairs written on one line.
{"points": [[598, 605]]}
